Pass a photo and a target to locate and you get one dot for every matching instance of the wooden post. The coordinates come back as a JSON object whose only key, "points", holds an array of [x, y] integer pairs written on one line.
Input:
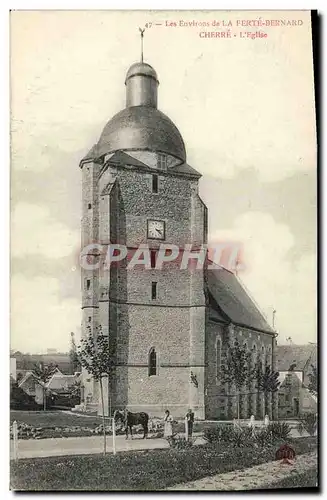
{"points": [[186, 429], [15, 440], [113, 436]]}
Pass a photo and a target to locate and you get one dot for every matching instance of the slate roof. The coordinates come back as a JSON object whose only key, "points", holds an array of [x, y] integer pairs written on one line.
{"points": [[121, 158], [184, 168], [91, 155], [232, 301], [61, 383], [300, 356]]}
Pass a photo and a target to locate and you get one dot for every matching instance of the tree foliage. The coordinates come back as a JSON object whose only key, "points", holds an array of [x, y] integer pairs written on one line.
{"points": [[44, 372], [237, 369], [308, 422], [266, 382], [94, 354], [313, 380], [73, 355]]}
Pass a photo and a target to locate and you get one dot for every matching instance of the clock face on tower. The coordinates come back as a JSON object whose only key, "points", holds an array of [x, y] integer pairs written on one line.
{"points": [[156, 229]]}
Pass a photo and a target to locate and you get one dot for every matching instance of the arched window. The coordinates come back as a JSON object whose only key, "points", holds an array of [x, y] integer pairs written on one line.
{"points": [[218, 356], [269, 357], [263, 357], [153, 362], [254, 355]]}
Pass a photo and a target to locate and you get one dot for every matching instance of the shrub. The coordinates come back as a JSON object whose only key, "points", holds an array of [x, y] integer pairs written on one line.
{"points": [[218, 434], [274, 432], [263, 438], [227, 434], [279, 431], [241, 437], [25, 431], [180, 442], [19, 400], [246, 436], [308, 423]]}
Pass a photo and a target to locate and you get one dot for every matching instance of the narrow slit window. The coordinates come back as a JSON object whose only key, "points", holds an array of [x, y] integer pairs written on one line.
{"points": [[88, 284], [152, 362], [154, 183], [154, 290], [218, 357], [89, 206], [153, 259]]}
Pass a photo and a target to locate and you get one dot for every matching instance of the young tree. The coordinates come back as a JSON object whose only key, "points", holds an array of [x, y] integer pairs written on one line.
{"points": [[95, 357], [237, 370], [313, 381], [74, 361], [44, 372], [267, 382]]}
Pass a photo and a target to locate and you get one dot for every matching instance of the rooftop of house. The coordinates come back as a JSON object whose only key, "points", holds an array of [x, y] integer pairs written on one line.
{"points": [[296, 357]]}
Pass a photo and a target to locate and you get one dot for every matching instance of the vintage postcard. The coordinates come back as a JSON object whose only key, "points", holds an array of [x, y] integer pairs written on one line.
{"points": [[163, 250]]}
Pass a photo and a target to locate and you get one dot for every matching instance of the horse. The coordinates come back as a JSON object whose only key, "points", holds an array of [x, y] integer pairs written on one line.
{"points": [[128, 419]]}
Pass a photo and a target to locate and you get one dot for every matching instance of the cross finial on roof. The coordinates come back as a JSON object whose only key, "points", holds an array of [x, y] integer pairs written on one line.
{"points": [[142, 35]]}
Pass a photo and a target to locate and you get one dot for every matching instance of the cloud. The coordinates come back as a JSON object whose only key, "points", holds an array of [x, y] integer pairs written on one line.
{"points": [[39, 318], [273, 279], [34, 231]]}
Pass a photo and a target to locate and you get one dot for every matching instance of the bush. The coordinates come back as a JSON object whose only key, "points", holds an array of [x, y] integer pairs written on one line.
{"points": [[25, 431], [19, 400], [227, 434], [263, 438], [180, 442], [273, 433], [279, 431], [246, 436], [308, 423], [218, 434]]}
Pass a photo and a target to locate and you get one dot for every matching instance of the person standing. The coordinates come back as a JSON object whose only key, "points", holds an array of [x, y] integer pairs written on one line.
{"points": [[168, 425], [189, 417]]}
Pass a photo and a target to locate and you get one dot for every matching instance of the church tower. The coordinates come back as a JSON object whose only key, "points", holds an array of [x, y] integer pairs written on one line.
{"points": [[139, 190]]}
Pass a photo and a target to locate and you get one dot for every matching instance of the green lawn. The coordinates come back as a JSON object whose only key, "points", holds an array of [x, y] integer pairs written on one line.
{"points": [[150, 470], [53, 419]]}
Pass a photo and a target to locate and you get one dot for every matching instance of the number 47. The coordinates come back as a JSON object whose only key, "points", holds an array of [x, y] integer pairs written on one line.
{"points": [[148, 25]]}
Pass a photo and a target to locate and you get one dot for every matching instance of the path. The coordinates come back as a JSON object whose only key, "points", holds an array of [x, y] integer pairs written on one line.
{"points": [[255, 477], [32, 448]]}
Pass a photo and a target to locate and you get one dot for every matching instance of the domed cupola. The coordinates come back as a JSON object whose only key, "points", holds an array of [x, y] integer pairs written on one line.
{"points": [[141, 126], [141, 85]]}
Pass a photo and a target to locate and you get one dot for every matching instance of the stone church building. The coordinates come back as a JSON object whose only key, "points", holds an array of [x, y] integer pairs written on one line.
{"points": [[169, 329]]}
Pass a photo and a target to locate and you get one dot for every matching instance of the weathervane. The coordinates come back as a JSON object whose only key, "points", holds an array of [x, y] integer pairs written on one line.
{"points": [[142, 35]]}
